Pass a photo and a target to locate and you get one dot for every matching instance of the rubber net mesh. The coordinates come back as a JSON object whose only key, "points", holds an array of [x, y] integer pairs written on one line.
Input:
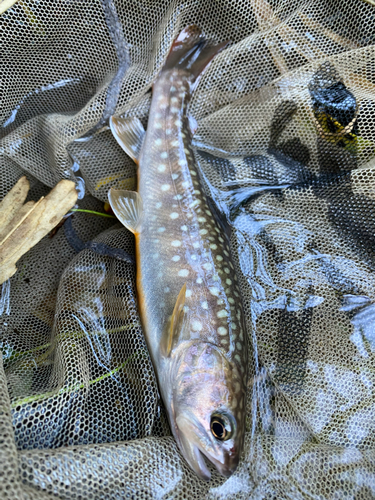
{"points": [[286, 150]]}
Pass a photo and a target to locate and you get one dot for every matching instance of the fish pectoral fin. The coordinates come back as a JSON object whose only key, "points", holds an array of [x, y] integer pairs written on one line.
{"points": [[172, 335], [128, 208], [129, 133]]}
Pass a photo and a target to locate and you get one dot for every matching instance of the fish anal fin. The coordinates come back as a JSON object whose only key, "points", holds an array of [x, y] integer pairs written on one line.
{"points": [[128, 208], [172, 334], [129, 133]]}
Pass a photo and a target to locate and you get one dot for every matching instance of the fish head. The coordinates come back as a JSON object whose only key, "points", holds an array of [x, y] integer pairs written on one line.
{"points": [[208, 409]]}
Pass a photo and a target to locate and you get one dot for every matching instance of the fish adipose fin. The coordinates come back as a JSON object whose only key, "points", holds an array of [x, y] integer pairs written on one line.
{"points": [[172, 335], [128, 208], [190, 52], [129, 133]]}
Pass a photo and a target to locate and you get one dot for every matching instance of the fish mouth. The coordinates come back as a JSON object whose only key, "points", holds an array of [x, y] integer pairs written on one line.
{"points": [[196, 457], [198, 463]]}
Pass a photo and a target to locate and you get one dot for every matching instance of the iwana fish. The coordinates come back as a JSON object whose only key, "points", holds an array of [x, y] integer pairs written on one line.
{"points": [[189, 301]]}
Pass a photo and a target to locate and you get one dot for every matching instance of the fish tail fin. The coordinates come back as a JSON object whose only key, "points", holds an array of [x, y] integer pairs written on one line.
{"points": [[190, 52]]}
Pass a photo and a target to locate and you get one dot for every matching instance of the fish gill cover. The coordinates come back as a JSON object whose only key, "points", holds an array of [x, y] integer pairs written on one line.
{"points": [[285, 149]]}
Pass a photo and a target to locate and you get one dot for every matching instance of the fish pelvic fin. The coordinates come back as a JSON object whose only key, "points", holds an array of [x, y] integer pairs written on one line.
{"points": [[190, 52], [129, 133], [172, 335], [128, 208]]}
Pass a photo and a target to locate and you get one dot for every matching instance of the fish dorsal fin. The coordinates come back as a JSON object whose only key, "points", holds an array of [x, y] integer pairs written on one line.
{"points": [[128, 208], [172, 334], [129, 133], [193, 124]]}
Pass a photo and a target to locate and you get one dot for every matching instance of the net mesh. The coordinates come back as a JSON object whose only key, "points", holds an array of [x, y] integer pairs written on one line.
{"points": [[286, 151]]}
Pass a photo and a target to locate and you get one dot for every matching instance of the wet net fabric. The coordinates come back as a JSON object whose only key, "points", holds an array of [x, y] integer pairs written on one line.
{"points": [[285, 147]]}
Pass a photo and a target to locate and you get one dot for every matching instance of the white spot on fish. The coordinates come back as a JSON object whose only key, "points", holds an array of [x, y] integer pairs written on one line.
{"points": [[207, 266], [157, 125], [196, 326], [158, 142], [167, 289], [222, 330], [237, 358], [203, 231], [158, 204], [222, 314], [174, 110], [155, 256], [183, 273], [213, 246], [176, 258], [161, 167], [214, 291], [227, 270], [226, 253], [165, 187], [176, 243], [177, 197], [182, 163], [168, 131], [199, 281], [175, 143], [224, 341], [233, 326], [178, 123], [184, 228], [193, 173], [187, 152], [196, 244], [173, 99], [164, 155], [189, 293], [201, 219], [174, 215], [230, 300], [161, 229], [173, 89], [175, 176], [219, 258], [185, 184], [228, 281], [239, 346], [194, 204], [204, 303], [194, 257]]}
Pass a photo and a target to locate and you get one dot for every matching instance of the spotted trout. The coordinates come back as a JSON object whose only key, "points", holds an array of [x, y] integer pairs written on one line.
{"points": [[188, 296]]}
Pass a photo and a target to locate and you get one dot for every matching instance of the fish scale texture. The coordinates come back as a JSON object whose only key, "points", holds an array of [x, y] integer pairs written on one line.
{"points": [[285, 147]]}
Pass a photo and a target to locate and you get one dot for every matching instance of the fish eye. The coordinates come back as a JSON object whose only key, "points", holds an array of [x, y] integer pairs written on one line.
{"points": [[221, 427]]}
